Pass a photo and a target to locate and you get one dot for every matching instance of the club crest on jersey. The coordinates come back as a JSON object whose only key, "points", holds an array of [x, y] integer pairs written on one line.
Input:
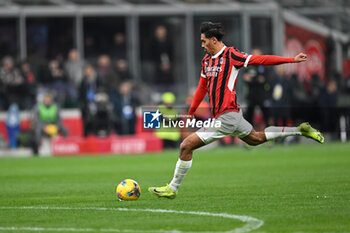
{"points": [[221, 60]]}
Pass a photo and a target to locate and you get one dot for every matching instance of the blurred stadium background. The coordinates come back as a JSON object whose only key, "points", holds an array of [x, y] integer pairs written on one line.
{"points": [[104, 59]]}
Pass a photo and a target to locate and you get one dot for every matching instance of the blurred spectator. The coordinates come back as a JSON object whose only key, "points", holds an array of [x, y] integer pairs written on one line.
{"points": [[345, 84], [100, 119], [29, 85], [126, 109], [281, 97], [316, 86], [89, 85], [56, 76], [122, 69], [162, 56], [74, 68], [87, 91], [109, 78], [46, 121], [328, 103], [170, 136], [256, 77], [300, 100], [12, 125], [119, 48], [12, 83], [110, 81]]}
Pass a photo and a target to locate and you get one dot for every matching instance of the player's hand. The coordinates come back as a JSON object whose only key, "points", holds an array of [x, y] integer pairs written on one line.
{"points": [[301, 57]]}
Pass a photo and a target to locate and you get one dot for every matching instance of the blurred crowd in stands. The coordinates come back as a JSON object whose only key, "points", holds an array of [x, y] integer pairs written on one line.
{"points": [[286, 99]]}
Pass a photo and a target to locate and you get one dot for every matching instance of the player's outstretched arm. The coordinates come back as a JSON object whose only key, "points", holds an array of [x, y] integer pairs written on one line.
{"points": [[269, 60]]}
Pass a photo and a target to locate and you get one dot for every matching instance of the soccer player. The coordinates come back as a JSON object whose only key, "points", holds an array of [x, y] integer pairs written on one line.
{"points": [[220, 68]]}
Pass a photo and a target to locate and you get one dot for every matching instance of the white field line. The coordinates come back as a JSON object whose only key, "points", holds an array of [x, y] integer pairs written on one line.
{"points": [[251, 223]]}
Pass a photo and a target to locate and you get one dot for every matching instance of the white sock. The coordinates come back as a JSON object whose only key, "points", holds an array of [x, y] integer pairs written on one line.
{"points": [[274, 132], [181, 170]]}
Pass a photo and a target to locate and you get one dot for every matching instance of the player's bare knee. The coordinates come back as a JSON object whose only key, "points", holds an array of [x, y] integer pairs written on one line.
{"points": [[185, 146], [185, 151]]}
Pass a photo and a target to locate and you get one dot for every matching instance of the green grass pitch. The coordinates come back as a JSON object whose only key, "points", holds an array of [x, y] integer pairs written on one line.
{"points": [[296, 188]]}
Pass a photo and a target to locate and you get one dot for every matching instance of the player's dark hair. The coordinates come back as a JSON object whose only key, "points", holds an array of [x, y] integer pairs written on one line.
{"points": [[210, 29]]}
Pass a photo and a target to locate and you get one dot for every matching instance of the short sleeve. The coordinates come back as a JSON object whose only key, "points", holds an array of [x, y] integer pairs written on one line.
{"points": [[238, 58]]}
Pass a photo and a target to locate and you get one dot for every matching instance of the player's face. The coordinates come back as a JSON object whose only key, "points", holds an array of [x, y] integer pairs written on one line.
{"points": [[207, 44]]}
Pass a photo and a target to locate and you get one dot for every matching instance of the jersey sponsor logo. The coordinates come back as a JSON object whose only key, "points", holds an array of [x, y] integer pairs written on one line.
{"points": [[213, 71]]}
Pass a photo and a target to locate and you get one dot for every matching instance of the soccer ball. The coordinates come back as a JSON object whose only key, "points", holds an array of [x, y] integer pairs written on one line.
{"points": [[128, 190]]}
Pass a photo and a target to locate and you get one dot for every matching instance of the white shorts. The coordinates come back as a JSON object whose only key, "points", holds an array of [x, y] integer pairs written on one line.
{"points": [[232, 123]]}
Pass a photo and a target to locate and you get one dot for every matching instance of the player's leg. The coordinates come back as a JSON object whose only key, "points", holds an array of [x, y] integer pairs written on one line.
{"points": [[184, 162], [275, 132], [304, 129], [203, 136], [183, 165]]}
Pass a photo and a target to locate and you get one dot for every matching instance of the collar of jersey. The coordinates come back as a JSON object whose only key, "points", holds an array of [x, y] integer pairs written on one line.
{"points": [[220, 52]]}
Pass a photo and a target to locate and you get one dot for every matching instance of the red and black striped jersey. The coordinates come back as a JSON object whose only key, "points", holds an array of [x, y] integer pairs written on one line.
{"points": [[221, 72], [219, 75]]}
